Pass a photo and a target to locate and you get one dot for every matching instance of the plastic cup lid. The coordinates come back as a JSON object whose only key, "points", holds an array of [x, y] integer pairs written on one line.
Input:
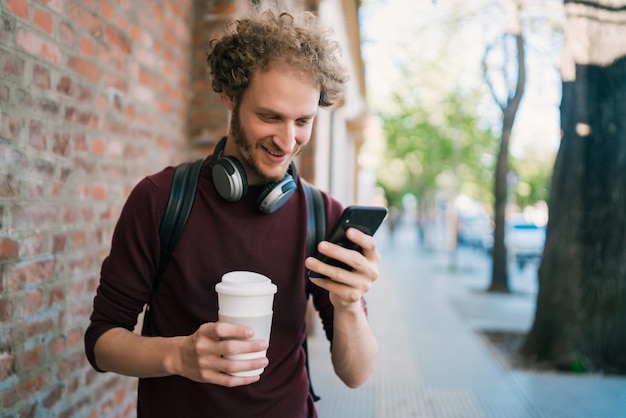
{"points": [[245, 284]]}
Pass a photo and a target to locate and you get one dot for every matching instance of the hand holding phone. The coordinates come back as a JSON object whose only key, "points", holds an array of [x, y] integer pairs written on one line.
{"points": [[366, 219]]}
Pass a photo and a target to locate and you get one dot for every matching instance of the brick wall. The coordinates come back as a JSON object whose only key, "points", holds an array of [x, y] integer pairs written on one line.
{"points": [[93, 95]]}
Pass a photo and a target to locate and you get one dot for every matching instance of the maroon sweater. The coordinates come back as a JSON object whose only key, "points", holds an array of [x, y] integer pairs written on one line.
{"points": [[219, 237]]}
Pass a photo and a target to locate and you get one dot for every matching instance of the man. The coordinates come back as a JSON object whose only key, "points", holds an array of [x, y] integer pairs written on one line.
{"points": [[273, 72]]}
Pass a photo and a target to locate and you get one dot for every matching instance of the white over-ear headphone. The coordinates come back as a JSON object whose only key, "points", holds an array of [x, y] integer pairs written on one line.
{"points": [[231, 182]]}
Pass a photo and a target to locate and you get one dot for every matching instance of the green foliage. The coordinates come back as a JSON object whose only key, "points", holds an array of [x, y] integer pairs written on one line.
{"points": [[422, 144], [533, 171]]}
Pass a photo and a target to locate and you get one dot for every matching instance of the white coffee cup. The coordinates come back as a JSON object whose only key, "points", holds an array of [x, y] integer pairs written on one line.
{"points": [[246, 298]]}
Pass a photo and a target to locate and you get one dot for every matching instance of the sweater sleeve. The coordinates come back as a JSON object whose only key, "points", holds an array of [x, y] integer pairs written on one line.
{"points": [[127, 272]]}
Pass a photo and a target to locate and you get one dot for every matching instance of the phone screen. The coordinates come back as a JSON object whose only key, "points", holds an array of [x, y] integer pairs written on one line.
{"points": [[364, 218]]}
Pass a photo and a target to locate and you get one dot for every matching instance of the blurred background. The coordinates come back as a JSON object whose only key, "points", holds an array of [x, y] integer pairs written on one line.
{"points": [[493, 131]]}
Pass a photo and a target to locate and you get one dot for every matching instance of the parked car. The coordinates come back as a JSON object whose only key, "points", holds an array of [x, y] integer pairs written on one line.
{"points": [[524, 240], [475, 231]]}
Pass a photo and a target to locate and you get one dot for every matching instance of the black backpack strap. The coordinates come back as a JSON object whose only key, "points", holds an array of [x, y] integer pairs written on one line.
{"points": [[179, 204], [316, 231], [182, 195], [316, 218]]}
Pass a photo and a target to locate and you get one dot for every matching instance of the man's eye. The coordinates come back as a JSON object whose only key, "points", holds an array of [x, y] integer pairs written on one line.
{"points": [[270, 118]]}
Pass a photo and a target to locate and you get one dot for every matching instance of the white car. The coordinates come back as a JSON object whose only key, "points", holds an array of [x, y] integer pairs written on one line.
{"points": [[524, 240]]}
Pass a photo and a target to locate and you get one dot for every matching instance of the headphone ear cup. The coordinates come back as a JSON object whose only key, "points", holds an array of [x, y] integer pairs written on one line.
{"points": [[230, 179], [274, 195]]}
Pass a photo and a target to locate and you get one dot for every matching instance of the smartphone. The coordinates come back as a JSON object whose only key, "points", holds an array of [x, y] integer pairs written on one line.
{"points": [[364, 218]]}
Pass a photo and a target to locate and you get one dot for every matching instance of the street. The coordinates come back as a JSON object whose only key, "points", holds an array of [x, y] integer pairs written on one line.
{"points": [[426, 310]]}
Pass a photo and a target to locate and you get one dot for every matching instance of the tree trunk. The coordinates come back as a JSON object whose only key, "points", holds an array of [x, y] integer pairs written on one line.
{"points": [[580, 321], [499, 273]]}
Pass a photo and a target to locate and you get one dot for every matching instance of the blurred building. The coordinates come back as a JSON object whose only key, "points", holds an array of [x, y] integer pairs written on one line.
{"points": [[94, 95]]}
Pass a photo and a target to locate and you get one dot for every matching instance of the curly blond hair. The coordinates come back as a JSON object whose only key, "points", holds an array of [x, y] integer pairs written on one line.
{"points": [[261, 41]]}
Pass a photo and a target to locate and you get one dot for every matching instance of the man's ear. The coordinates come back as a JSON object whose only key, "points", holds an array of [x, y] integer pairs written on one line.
{"points": [[229, 99]]}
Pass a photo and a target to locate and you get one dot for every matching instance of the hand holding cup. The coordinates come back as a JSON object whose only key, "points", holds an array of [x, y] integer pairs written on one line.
{"points": [[246, 298]]}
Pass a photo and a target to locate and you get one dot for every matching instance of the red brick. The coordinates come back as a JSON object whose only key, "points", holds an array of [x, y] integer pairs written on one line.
{"points": [[157, 13], [65, 173], [28, 411], [65, 86], [91, 283], [116, 82], [56, 188], [165, 106], [36, 136], [67, 33], [36, 243], [85, 68], [30, 359], [115, 126], [107, 11], [49, 107], [73, 383], [170, 39], [33, 272], [32, 302], [57, 346], [44, 21], [31, 217], [7, 366], [74, 338], [223, 9], [9, 187], [77, 13], [41, 77], [98, 146], [122, 23], [25, 389], [8, 249], [79, 239], [86, 46], [4, 93], [120, 395], [82, 118], [83, 191], [24, 99], [18, 7], [88, 214], [80, 141], [56, 5], [69, 364], [12, 64], [54, 396], [130, 112], [70, 214], [117, 39], [93, 4], [28, 329], [6, 310], [99, 192], [34, 189], [60, 145], [135, 33], [83, 94], [56, 296], [35, 45]]}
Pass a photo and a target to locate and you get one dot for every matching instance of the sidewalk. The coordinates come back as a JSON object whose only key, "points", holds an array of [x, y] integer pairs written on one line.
{"points": [[432, 362]]}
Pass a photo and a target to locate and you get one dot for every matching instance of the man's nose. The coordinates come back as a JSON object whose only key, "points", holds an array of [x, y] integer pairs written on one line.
{"points": [[287, 137]]}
